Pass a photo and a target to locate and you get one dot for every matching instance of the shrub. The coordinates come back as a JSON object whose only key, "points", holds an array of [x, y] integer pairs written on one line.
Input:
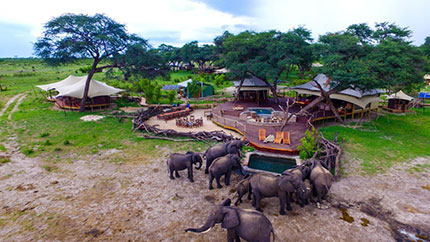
{"points": [[44, 135], [171, 96], [309, 144]]}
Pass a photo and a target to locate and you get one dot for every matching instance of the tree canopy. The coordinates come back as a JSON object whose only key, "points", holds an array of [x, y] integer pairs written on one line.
{"points": [[72, 36]]}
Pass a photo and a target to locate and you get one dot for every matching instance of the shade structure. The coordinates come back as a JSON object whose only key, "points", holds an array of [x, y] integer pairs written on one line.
{"points": [[70, 80], [354, 96], [96, 89], [400, 95]]}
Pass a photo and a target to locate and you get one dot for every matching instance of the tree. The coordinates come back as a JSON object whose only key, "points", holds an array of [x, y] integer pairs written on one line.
{"points": [[72, 36], [266, 55], [363, 59], [189, 53]]}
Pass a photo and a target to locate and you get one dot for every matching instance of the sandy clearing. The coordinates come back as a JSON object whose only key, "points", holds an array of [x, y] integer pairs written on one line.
{"points": [[92, 199]]}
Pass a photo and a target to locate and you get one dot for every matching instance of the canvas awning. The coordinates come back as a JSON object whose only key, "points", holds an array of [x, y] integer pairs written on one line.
{"points": [[400, 95], [70, 80], [96, 89], [361, 102], [185, 83], [427, 76]]}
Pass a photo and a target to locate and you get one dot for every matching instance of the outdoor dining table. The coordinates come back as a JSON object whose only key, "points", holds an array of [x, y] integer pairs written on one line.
{"points": [[175, 114]]}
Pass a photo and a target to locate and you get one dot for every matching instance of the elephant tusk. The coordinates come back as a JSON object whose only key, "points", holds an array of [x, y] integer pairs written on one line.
{"points": [[207, 230]]}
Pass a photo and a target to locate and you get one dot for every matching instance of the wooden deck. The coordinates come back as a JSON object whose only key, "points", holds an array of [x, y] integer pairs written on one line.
{"points": [[225, 116]]}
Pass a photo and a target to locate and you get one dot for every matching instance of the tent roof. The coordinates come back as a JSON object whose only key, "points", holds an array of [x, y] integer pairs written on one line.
{"points": [[251, 82], [427, 76], [70, 80], [185, 83], [324, 82], [400, 95], [96, 89], [222, 71], [170, 87]]}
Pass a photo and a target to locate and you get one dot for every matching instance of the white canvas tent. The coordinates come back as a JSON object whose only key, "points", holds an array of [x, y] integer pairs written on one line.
{"points": [[400, 95], [70, 80], [96, 89], [74, 86]]}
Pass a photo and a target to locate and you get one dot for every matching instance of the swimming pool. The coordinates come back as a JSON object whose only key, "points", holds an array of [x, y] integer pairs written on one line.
{"points": [[270, 163], [262, 111]]}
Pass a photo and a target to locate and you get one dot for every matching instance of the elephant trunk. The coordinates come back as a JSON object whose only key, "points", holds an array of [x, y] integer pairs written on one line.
{"points": [[241, 170], [200, 165], [205, 228]]}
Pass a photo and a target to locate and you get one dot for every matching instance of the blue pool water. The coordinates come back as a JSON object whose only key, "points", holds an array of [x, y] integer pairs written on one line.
{"points": [[268, 163], [262, 111]]}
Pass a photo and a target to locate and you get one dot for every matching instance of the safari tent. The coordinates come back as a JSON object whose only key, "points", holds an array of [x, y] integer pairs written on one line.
{"points": [[252, 90], [205, 90], [398, 102], [348, 101], [71, 91]]}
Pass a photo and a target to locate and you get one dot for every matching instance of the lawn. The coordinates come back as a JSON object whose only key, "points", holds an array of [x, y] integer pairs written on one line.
{"points": [[385, 141]]}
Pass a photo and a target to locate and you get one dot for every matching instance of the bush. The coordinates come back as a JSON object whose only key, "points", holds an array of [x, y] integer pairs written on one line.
{"points": [[309, 144], [171, 96]]}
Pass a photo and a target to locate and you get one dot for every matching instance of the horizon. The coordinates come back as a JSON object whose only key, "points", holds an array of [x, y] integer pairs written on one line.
{"points": [[176, 22]]}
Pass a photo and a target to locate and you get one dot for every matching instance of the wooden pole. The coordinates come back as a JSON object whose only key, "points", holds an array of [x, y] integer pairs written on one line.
{"points": [[353, 110]]}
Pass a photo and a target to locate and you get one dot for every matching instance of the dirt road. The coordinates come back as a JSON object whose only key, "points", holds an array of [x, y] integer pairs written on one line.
{"points": [[91, 199]]}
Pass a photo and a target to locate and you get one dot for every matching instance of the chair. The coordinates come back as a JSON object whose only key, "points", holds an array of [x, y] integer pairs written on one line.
{"points": [[287, 138], [278, 138], [261, 134]]}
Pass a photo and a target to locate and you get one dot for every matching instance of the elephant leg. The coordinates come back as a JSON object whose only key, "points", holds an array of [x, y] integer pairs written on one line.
{"points": [[249, 193], [282, 201], [218, 184], [257, 199], [231, 235], [208, 163], [227, 178], [171, 174], [211, 178], [190, 173], [289, 202], [177, 174]]}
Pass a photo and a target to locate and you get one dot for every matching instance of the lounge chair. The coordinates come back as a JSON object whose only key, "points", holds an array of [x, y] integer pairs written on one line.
{"points": [[261, 134], [278, 138], [287, 138]]}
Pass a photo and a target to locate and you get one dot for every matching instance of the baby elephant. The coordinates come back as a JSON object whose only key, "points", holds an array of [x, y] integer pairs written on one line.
{"points": [[178, 162], [242, 188], [223, 166]]}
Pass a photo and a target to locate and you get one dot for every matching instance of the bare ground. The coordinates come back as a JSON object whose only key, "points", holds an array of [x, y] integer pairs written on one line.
{"points": [[91, 199]]}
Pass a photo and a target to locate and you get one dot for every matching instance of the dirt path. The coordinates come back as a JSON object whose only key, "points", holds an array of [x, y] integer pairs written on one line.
{"points": [[11, 100], [15, 108], [90, 199]]}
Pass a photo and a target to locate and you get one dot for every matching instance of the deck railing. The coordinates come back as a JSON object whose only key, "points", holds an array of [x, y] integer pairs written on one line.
{"points": [[229, 123]]}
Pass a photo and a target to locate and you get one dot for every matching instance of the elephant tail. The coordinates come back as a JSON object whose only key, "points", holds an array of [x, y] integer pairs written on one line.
{"points": [[272, 232]]}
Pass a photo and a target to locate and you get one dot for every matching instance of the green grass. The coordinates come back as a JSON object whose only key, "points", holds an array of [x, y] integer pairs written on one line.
{"points": [[386, 141]]}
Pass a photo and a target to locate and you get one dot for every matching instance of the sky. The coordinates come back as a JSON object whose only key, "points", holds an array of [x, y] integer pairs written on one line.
{"points": [[177, 22]]}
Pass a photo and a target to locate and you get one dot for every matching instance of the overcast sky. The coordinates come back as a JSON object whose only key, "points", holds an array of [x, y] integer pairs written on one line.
{"points": [[177, 22]]}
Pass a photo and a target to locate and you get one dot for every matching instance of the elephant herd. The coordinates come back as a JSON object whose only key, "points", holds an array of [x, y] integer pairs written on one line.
{"points": [[299, 184]]}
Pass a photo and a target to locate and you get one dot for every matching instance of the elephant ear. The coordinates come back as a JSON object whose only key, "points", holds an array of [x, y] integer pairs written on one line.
{"points": [[285, 184], [231, 218]]}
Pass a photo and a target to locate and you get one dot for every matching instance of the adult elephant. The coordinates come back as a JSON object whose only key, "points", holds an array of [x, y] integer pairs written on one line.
{"points": [[266, 185], [303, 171], [178, 162], [247, 224], [321, 180], [220, 150], [224, 166]]}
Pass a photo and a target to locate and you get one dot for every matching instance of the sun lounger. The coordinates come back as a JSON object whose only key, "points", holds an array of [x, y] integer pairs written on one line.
{"points": [[261, 134], [287, 138], [278, 138]]}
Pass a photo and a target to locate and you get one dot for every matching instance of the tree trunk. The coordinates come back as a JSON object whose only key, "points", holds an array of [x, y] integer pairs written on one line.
{"points": [[237, 91], [87, 84], [326, 96], [287, 75], [302, 72]]}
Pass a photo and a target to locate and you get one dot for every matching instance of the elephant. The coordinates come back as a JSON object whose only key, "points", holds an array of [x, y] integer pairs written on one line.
{"points": [[178, 162], [242, 187], [308, 192], [282, 186], [231, 147], [239, 143], [247, 224], [321, 180], [224, 166], [301, 170]]}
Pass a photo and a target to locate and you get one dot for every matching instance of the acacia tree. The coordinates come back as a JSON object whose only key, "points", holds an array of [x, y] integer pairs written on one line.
{"points": [[363, 59], [73, 36], [265, 55]]}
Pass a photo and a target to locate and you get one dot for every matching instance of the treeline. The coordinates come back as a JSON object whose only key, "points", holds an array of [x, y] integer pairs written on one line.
{"points": [[358, 57]]}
